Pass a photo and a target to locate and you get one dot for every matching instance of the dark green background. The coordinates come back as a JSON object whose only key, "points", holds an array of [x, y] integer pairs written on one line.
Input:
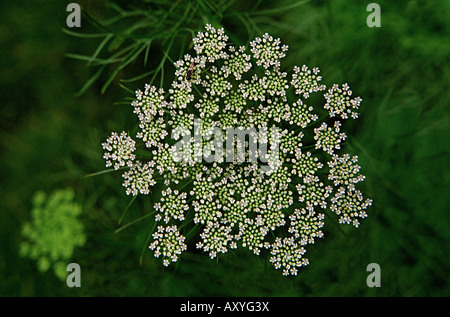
{"points": [[51, 139]]}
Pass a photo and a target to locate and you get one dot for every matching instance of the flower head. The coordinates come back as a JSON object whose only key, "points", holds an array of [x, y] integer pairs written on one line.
{"points": [[149, 103], [55, 231], [172, 205], [168, 243], [305, 225], [268, 51], [216, 238], [242, 155], [329, 138], [339, 102], [119, 150], [344, 170], [313, 192], [211, 43], [238, 62], [139, 178], [350, 205], [301, 114], [306, 81], [287, 254]]}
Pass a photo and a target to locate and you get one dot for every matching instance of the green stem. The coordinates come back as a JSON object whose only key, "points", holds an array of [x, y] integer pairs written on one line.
{"points": [[192, 230], [146, 243], [134, 221], [103, 172], [335, 224], [126, 209]]}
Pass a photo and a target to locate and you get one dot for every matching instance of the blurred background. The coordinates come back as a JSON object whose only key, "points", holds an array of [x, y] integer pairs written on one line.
{"points": [[64, 90]]}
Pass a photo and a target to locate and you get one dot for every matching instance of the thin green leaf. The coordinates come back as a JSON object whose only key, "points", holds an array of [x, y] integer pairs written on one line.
{"points": [[127, 89], [130, 80], [99, 48], [90, 81], [127, 208], [134, 222], [280, 9], [89, 58], [132, 57], [84, 35], [100, 173], [145, 247], [147, 51], [110, 80]]}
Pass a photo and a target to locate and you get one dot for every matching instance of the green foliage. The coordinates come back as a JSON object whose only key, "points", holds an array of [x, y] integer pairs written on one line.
{"points": [[54, 231], [151, 33]]}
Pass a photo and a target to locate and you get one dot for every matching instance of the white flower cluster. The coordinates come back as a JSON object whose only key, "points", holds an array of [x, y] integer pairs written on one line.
{"points": [[211, 44], [288, 255], [238, 63], [119, 150], [172, 205], [268, 51], [168, 243], [329, 138], [340, 103], [149, 103], [216, 238], [350, 205], [306, 225], [275, 205], [344, 171], [306, 81], [139, 178]]}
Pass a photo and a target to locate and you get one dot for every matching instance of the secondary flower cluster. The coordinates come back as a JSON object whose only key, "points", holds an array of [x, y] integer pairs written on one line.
{"points": [[54, 232], [274, 204]]}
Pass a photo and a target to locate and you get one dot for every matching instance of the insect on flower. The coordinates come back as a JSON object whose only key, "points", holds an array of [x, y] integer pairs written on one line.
{"points": [[189, 71]]}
